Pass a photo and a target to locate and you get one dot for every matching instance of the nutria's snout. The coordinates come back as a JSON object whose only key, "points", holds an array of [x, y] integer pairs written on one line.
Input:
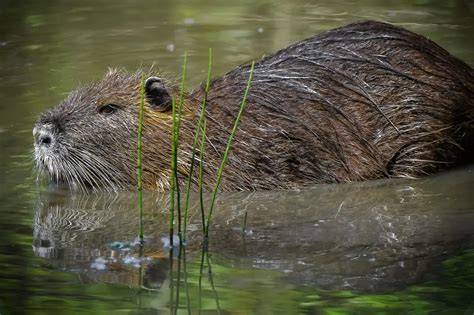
{"points": [[44, 141], [46, 132], [43, 136], [46, 149]]}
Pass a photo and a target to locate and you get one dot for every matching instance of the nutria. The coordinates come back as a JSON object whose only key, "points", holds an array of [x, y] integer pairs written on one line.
{"points": [[364, 101]]}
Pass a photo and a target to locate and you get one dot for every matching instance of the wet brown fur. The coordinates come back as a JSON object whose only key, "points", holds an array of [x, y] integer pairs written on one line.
{"points": [[364, 101]]}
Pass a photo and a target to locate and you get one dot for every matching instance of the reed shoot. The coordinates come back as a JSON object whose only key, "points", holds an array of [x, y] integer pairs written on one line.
{"points": [[139, 158], [200, 179], [175, 198], [227, 149], [176, 128], [195, 141], [174, 168]]}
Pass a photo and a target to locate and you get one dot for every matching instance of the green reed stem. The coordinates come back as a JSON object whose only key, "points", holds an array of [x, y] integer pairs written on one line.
{"points": [[171, 303], [244, 224], [195, 141], [139, 156], [172, 197], [176, 139], [185, 272], [211, 281], [201, 269], [200, 176], [205, 258], [140, 180], [227, 149], [173, 173], [175, 198], [178, 281]]}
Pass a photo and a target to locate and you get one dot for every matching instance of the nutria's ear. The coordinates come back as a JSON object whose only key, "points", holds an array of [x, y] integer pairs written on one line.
{"points": [[157, 95]]}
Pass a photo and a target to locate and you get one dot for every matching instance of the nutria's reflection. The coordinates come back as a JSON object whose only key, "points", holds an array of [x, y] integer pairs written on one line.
{"points": [[369, 237]]}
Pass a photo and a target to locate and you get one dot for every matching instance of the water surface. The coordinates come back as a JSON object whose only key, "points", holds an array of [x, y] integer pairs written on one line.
{"points": [[377, 247]]}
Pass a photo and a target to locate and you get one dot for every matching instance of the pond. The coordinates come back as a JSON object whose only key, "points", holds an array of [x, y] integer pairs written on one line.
{"points": [[385, 247]]}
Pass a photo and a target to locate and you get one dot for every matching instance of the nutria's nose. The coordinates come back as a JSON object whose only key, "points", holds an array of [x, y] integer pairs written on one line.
{"points": [[43, 136], [45, 140]]}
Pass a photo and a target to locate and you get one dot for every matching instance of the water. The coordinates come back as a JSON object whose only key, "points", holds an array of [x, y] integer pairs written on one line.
{"points": [[379, 247]]}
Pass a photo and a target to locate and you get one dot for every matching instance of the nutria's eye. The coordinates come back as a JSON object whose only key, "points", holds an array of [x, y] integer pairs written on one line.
{"points": [[108, 109]]}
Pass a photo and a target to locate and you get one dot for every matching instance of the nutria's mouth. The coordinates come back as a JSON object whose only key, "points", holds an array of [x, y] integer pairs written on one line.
{"points": [[74, 179], [56, 178], [76, 171], [60, 183]]}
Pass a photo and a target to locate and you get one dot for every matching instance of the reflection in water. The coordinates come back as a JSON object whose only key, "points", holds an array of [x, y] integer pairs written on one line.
{"points": [[378, 236]]}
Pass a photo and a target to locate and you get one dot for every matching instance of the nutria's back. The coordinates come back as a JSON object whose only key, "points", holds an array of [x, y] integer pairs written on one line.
{"points": [[364, 101]]}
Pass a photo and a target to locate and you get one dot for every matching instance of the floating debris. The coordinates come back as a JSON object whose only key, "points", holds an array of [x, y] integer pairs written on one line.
{"points": [[120, 246], [188, 21], [170, 47], [165, 240], [99, 263], [132, 260], [126, 245]]}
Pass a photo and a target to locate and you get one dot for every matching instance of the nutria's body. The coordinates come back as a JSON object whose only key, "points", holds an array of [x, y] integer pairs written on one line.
{"points": [[364, 101]]}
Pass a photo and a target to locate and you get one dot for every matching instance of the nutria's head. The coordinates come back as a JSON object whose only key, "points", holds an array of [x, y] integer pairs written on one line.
{"points": [[90, 139]]}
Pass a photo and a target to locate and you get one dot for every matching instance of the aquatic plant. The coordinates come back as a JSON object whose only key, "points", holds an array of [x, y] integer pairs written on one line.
{"points": [[139, 158], [243, 103], [175, 213]]}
